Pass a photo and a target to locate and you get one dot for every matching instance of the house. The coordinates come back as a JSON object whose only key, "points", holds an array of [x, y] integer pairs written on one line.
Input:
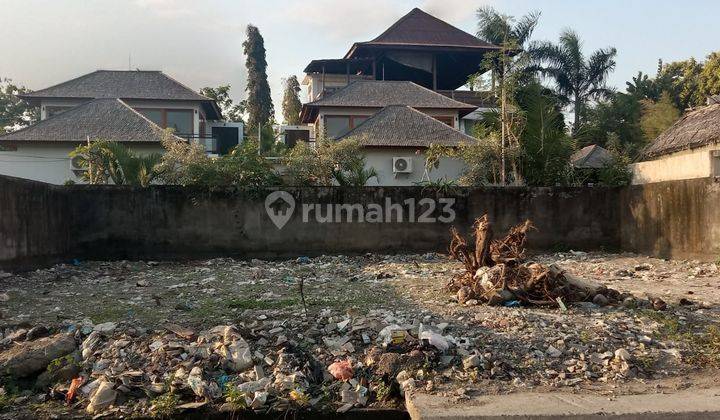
{"points": [[688, 149], [411, 71], [131, 107], [591, 157]]}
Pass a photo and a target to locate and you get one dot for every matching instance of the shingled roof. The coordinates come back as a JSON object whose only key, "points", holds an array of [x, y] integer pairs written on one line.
{"points": [[696, 129], [402, 126], [380, 93], [135, 84], [420, 29], [591, 157], [108, 119]]}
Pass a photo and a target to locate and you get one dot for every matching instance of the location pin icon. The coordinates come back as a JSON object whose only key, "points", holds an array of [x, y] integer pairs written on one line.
{"points": [[280, 206]]}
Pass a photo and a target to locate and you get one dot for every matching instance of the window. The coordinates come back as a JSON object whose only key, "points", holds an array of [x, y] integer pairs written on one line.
{"points": [[54, 110], [154, 115], [181, 120], [337, 125], [447, 120]]}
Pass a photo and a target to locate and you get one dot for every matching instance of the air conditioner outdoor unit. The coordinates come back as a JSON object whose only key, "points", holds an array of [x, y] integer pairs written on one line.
{"points": [[402, 165], [76, 167]]}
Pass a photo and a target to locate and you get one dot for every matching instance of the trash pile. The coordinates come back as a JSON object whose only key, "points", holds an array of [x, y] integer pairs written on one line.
{"points": [[497, 273], [330, 364]]}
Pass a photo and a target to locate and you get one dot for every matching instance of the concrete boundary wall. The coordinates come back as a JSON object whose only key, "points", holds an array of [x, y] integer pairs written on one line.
{"points": [[42, 223]]}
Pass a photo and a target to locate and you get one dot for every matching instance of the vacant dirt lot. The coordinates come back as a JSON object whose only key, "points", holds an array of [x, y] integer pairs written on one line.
{"points": [[352, 306]]}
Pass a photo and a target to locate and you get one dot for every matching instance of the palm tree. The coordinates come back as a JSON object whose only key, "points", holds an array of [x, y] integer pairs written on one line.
{"points": [[577, 80], [503, 31]]}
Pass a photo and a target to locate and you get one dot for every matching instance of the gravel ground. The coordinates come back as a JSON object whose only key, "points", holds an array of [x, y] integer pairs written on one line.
{"points": [[349, 302]]}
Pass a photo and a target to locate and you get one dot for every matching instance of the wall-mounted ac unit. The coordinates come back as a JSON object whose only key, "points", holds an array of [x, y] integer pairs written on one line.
{"points": [[402, 165]]}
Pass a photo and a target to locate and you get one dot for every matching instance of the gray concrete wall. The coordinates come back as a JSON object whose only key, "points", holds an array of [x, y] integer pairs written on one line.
{"points": [[674, 219], [109, 222]]}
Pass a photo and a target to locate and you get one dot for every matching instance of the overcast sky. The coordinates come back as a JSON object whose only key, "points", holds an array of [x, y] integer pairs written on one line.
{"points": [[44, 42]]}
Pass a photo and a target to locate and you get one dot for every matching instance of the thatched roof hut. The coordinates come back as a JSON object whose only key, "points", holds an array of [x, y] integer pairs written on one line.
{"points": [[697, 128]]}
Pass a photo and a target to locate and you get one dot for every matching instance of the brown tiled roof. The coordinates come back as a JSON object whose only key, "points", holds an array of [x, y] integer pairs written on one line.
{"points": [[591, 157], [696, 129], [124, 84], [418, 28], [402, 126], [107, 119]]}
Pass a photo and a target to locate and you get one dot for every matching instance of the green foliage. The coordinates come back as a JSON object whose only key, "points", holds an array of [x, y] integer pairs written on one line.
{"points": [[617, 173], [545, 147], [165, 405], [106, 161], [618, 117], [236, 398], [710, 75], [291, 101], [482, 158], [14, 112], [578, 79], [221, 94], [658, 116], [187, 164], [259, 103], [329, 161]]}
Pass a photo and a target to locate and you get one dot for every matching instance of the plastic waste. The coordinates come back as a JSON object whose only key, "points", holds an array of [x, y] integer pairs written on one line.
{"points": [[512, 304], [434, 339], [341, 370]]}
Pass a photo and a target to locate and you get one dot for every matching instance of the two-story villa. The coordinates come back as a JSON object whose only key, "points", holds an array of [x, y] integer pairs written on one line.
{"points": [[411, 70], [131, 107]]}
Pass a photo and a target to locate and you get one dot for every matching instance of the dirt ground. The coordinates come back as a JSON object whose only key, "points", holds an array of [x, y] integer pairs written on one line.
{"points": [[613, 349]]}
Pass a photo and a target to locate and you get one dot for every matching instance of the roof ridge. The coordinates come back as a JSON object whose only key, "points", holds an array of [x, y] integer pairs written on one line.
{"points": [[60, 84]]}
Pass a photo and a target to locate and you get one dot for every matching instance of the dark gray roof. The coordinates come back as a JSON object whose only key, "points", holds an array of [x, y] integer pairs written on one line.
{"points": [[380, 93], [107, 119], [402, 126], [135, 84], [695, 129], [591, 157], [421, 30]]}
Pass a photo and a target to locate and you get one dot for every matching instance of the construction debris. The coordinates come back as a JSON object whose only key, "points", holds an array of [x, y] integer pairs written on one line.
{"points": [[497, 273], [231, 335]]}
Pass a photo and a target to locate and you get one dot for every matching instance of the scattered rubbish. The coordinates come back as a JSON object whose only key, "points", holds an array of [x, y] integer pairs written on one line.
{"points": [[74, 386], [516, 303], [341, 370]]}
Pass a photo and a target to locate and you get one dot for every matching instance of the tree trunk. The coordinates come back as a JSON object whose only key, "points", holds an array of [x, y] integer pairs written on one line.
{"points": [[576, 124]]}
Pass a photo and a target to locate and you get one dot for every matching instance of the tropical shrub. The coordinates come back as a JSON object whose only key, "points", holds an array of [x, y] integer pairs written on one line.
{"points": [[107, 161]]}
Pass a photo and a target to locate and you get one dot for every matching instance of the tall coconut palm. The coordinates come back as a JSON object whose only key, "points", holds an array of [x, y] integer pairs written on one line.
{"points": [[577, 79]]}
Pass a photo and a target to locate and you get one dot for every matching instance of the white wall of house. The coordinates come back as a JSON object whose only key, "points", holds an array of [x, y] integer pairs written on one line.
{"points": [[382, 159], [49, 162], [316, 83], [685, 164]]}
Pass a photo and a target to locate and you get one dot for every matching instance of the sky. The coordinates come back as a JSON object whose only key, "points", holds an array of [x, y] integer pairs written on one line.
{"points": [[44, 42]]}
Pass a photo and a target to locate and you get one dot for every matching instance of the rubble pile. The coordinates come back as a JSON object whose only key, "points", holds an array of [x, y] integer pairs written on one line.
{"points": [[497, 273], [126, 339]]}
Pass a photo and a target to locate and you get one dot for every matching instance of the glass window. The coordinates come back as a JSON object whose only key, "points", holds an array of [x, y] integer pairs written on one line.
{"points": [[358, 120], [180, 120], [154, 115], [54, 110], [336, 126]]}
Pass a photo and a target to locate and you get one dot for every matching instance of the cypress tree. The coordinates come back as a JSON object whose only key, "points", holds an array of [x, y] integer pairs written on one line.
{"points": [[259, 103], [291, 101]]}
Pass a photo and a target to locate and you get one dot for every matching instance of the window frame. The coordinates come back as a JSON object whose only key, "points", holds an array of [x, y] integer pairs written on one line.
{"points": [[164, 112], [351, 121]]}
